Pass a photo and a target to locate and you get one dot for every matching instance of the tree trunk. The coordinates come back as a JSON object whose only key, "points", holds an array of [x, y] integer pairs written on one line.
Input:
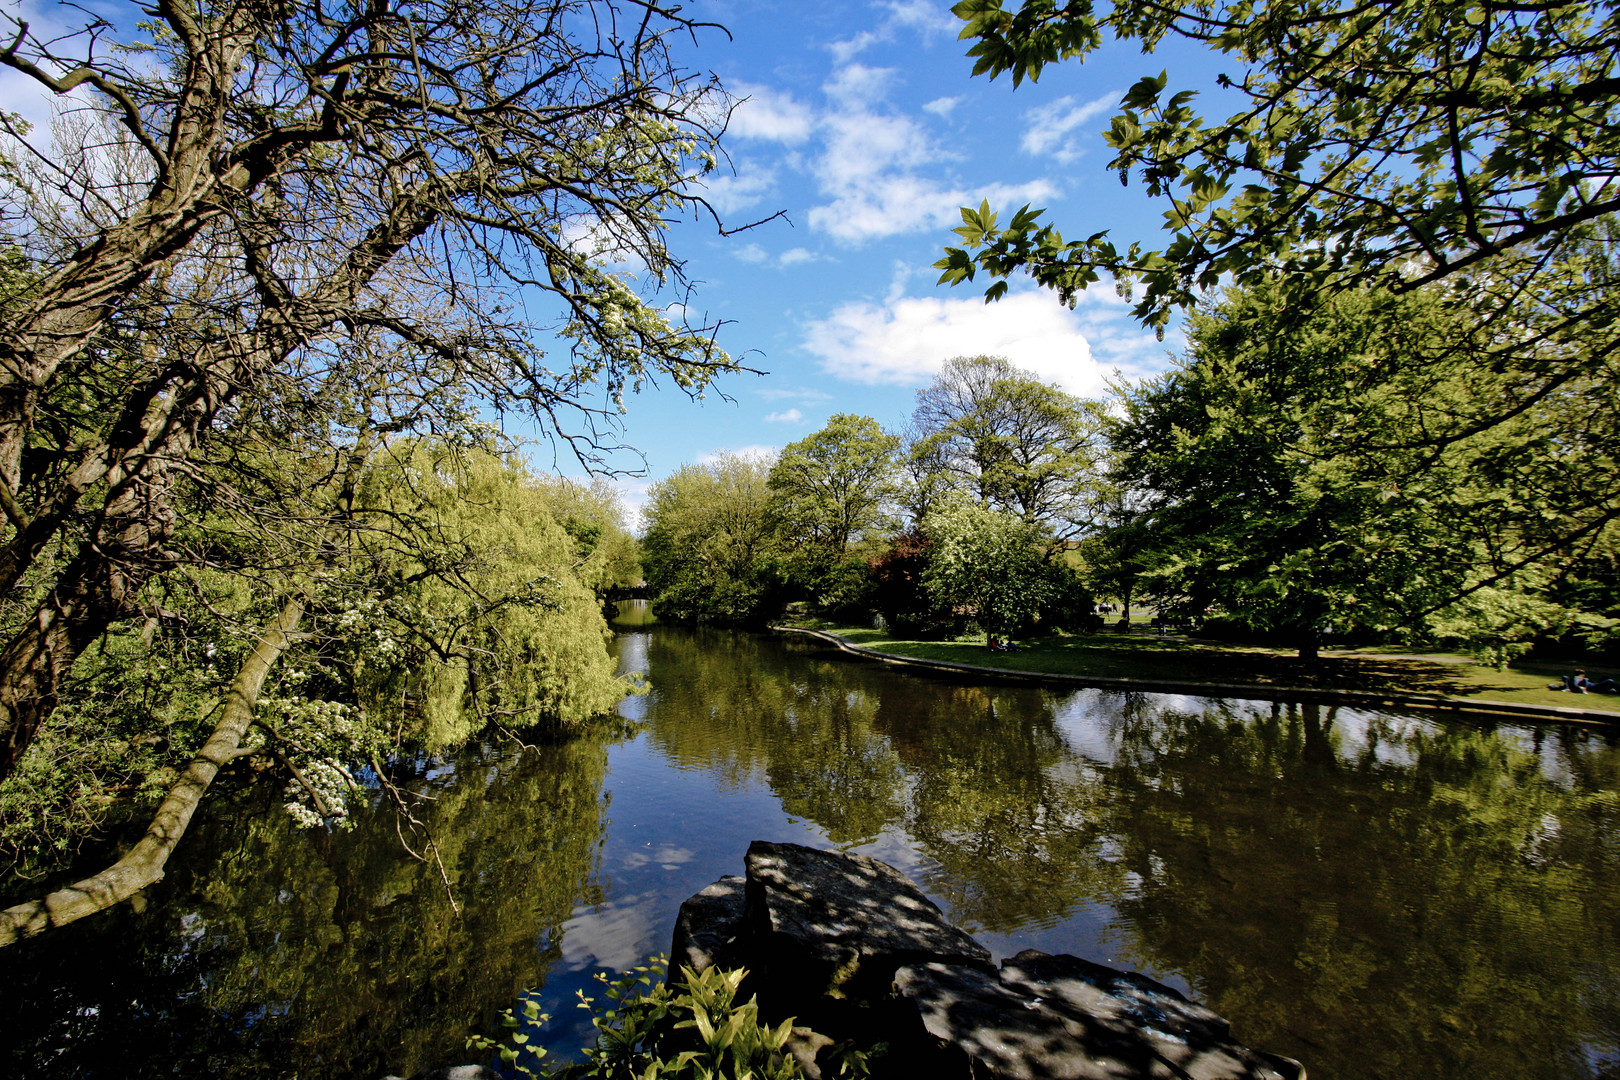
{"points": [[1309, 643], [144, 864], [99, 587]]}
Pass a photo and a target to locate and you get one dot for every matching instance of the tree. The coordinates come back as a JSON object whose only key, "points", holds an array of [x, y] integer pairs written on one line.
{"points": [[1405, 142], [447, 598], [1395, 146], [608, 556], [1277, 477], [710, 549], [835, 487], [989, 561], [831, 493], [992, 430], [292, 181]]}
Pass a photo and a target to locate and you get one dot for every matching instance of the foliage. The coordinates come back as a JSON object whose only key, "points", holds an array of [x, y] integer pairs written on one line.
{"points": [[492, 620], [989, 561], [649, 1028], [1070, 605], [1407, 140], [832, 493], [710, 549], [457, 601], [269, 243], [607, 555], [1464, 152], [989, 429], [1283, 473], [263, 253], [835, 487], [899, 592]]}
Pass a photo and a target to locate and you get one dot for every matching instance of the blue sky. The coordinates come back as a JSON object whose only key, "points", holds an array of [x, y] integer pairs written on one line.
{"points": [[862, 124]]}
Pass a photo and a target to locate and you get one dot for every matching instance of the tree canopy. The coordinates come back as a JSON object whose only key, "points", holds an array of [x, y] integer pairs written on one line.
{"points": [[987, 428], [1281, 472], [1405, 140], [990, 561], [836, 485], [710, 546], [1458, 153], [260, 298], [256, 191]]}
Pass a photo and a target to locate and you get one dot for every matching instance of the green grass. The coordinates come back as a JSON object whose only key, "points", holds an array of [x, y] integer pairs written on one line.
{"points": [[1149, 657]]}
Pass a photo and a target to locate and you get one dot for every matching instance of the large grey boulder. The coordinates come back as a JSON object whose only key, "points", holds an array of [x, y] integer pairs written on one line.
{"points": [[454, 1072], [971, 1024], [839, 925], [708, 929], [851, 947]]}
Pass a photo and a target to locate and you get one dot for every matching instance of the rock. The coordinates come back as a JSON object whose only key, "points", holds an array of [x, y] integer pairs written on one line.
{"points": [[1195, 1042], [805, 1045], [708, 929], [839, 925], [851, 948], [973, 1025], [1086, 987], [1048, 1018], [454, 1072]]}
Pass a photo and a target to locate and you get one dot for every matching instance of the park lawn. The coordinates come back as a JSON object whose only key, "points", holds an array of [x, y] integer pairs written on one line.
{"points": [[1141, 656]]}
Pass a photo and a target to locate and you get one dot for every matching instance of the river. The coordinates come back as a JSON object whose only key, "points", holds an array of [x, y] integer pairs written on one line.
{"points": [[1376, 894]]}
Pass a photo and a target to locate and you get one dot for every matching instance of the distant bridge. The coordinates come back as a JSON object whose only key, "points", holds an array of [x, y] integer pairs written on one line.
{"points": [[638, 591]]}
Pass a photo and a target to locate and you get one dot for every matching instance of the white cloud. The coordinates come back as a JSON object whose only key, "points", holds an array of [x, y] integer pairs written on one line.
{"points": [[844, 51], [1051, 127], [858, 87], [792, 416], [942, 106], [874, 168], [730, 193], [905, 340], [923, 16], [888, 205], [755, 255], [769, 114]]}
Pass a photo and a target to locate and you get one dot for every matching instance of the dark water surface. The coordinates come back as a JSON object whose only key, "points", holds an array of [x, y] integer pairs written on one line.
{"points": [[1378, 895]]}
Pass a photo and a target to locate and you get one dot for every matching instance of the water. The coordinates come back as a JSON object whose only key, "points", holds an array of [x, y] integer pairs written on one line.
{"points": [[1376, 894]]}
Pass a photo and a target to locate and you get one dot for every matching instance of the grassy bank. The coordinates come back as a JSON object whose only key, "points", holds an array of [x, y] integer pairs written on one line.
{"points": [[1151, 657]]}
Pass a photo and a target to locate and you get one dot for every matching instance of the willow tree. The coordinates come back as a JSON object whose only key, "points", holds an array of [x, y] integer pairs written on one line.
{"points": [[434, 174], [297, 236]]}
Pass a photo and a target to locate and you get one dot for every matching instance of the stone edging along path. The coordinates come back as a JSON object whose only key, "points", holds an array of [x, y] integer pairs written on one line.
{"points": [[1431, 702]]}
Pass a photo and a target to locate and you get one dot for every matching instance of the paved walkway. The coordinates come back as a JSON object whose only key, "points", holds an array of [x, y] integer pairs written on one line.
{"points": [[1364, 698]]}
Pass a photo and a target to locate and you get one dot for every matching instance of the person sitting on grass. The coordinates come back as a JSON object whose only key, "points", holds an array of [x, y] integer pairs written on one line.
{"points": [[1578, 683], [995, 643]]}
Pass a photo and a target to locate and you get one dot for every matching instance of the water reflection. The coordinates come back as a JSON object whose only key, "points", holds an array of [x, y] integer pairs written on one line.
{"points": [[271, 951], [1378, 895], [1375, 894]]}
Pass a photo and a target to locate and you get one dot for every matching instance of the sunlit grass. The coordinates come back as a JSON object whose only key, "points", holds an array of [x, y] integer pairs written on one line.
{"points": [[1152, 658]]}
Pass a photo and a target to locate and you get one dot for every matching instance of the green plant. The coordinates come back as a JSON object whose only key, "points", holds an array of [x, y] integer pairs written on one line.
{"points": [[690, 1029]]}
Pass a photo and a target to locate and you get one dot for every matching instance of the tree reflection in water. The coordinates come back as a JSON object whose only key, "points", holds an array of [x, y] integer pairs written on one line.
{"points": [[1378, 895], [274, 951], [1375, 894]]}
